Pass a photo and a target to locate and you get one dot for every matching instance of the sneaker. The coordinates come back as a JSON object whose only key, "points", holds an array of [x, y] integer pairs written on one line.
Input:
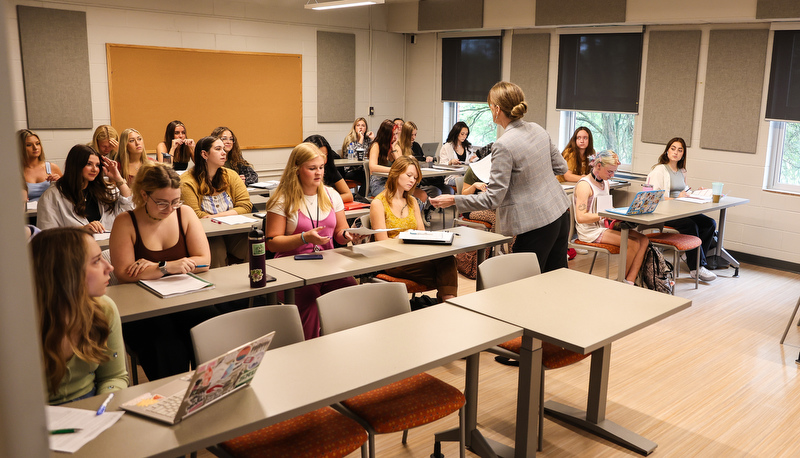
{"points": [[705, 274], [506, 361], [427, 217], [581, 251]]}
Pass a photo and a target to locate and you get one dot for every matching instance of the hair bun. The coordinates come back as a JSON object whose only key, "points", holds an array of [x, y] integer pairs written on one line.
{"points": [[519, 110]]}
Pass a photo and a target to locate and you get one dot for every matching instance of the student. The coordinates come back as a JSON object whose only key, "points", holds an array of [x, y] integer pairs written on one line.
{"points": [[131, 155], [577, 153], [456, 150], [669, 174], [82, 197], [211, 189], [361, 138], [523, 189], [403, 148], [37, 172], [105, 140], [430, 187], [304, 216], [396, 207], [332, 177], [160, 237], [591, 227], [81, 336], [234, 159], [381, 156], [177, 145]]}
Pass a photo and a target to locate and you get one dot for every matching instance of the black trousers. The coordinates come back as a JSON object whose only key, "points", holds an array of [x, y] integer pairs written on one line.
{"points": [[548, 242], [699, 226]]}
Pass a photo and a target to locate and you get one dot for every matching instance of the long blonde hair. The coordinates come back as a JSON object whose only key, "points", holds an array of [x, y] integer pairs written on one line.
{"points": [[289, 190], [398, 168], [104, 132], [405, 138], [123, 157], [352, 137], [65, 309], [22, 137]]}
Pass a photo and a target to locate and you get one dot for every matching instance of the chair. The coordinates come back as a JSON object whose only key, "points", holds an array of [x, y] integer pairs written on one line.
{"points": [[323, 432], [411, 402], [791, 319], [366, 176], [505, 269], [595, 247], [678, 243]]}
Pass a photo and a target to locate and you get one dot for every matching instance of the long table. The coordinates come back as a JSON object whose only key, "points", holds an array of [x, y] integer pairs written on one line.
{"points": [[608, 311], [303, 377], [668, 210]]}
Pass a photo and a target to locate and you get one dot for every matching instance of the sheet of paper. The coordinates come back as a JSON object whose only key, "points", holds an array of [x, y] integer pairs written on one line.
{"points": [[234, 219], [365, 231], [694, 200], [89, 423], [483, 168], [265, 184], [175, 285], [31, 205], [604, 203], [102, 236]]}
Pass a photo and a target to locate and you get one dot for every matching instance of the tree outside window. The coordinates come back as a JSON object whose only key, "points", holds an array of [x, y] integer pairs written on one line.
{"points": [[612, 131], [482, 130]]}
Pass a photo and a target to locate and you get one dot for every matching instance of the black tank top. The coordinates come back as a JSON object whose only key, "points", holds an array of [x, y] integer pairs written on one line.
{"points": [[178, 251]]}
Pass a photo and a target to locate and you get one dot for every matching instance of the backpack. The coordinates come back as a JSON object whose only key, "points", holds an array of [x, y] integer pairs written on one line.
{"points": [[656, 272]]}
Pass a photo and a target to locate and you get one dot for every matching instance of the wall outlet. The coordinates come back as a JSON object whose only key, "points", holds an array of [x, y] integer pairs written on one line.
{"points": [[372, 111]]}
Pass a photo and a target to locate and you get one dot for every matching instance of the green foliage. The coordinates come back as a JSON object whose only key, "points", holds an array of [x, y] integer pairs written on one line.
{"points": [[482, 130], [790, 163], [612, 131]]}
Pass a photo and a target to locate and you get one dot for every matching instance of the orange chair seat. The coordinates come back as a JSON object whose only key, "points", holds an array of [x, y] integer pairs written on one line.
{"points": [[682, 242], [407, 403], [411, 286], [553, 356], [613, 249], [352, 184], [321, 433], [485, 223]]}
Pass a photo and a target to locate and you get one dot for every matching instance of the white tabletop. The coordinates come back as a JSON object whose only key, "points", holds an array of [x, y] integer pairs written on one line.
{"points": [[674, 209]]}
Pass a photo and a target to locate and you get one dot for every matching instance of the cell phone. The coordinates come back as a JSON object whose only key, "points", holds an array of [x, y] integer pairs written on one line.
{"points": [[305, 256]]}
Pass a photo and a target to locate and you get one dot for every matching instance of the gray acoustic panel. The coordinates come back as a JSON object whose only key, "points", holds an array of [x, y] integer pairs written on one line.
{"points": [[336, 77], [734, 86], [55, 68], [670, 86], [450, 15], [577, 12], [777, 9], [530, 56]]}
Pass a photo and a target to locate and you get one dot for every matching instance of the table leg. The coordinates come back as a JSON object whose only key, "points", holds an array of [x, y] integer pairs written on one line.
{"points": [[623, 252], [288, 296], [720, 250], [593, 419]]}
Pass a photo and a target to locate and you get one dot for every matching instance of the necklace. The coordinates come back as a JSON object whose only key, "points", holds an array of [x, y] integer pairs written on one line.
{"points": [[313, 226], [596, 179], [151, 216]]}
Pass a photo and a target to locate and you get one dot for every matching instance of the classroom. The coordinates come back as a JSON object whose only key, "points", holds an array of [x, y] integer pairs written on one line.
{"points": [[398, 73]]}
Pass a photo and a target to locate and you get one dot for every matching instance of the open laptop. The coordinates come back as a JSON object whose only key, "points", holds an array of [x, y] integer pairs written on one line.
{"points": [[644, 202], [212, 381]]}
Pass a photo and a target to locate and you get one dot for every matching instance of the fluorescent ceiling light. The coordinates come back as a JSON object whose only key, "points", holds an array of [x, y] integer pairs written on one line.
{"points": [[340, 4]]}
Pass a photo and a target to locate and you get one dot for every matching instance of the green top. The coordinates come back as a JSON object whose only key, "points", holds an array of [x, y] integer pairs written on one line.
{"points": [[109, 376]]}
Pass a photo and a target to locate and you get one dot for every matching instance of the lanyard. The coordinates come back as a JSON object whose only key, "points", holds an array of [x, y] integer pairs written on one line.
{"points": [[313, 226]]}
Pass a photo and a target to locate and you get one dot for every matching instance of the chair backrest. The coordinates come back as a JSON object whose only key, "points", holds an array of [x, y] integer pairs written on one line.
{"points": [[365, 222], [219, 334], [571, 218], [107, 256], [507, 268], [361, 304], [366, 174], [459, 184]]}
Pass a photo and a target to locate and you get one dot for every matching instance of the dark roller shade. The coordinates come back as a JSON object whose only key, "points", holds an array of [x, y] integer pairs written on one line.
{"points": [[470, 67]]}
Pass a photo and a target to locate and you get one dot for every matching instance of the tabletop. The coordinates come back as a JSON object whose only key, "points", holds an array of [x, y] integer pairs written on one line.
{"points": [[668, 210]]}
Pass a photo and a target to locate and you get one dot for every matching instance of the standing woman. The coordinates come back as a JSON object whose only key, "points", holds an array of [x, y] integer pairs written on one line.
{"points": [[211, 189], [38, 173], [670, 175], [80, 329], [82, 197], [132, 154], [304, 216], [105, 140], [176, 145], [381, 156], [522, 185], [234, 159], [577, 153]]}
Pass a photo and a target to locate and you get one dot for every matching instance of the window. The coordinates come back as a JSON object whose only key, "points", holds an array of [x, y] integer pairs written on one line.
{"points": [[783, 109], [783, 167], [612, 131], [482, 130]]}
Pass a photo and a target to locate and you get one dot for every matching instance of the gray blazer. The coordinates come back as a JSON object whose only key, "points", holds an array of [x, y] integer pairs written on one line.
{"points": [[522, 185]]}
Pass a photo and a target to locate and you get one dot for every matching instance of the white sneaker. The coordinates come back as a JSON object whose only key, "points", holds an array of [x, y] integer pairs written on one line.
{"points": [[705, 274], [581, 251]]}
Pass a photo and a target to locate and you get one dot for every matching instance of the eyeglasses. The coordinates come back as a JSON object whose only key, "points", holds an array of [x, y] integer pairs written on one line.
{"points": [[163, 205], [228, 139]]}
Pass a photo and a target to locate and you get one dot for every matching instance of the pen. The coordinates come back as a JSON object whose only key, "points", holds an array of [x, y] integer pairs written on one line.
{"points": [[201, 266], [105, 404], [64, 431]]}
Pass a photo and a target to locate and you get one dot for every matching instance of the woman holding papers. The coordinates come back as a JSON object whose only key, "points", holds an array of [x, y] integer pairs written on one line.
{"points": [[522, 187], [305, 216], [177, 145], [37, 172], [160, 237], [234, 159], [670, 175], [82, 197], [396, 207], [591, 227], [82, 347], [577, 153], [211, 189]]}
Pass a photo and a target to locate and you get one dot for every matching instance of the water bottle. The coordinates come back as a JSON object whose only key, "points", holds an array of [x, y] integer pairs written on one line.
{"points": [[351, 152], [258, 258]]}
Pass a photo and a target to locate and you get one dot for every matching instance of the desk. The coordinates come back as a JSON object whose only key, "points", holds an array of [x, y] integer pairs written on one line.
{"points": [[429, 172], [347, 162], [584, 326], [569, 186], [399, 347], [230, 283], [668, 210]]}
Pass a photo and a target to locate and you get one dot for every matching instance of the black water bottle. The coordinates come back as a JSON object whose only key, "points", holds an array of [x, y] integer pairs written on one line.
{"points": [[258, 258]]}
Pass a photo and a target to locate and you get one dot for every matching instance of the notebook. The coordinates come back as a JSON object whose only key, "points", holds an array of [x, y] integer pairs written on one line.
{"points": [[427, 237], [212, 381], [175, 285], [644, 202]]}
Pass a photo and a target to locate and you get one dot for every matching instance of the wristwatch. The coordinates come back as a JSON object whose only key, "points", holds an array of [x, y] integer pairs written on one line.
{"points": [[162, 266]]}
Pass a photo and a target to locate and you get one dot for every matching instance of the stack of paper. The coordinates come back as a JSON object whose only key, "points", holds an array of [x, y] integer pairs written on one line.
{"points": [[233, 219], [175, 285]]}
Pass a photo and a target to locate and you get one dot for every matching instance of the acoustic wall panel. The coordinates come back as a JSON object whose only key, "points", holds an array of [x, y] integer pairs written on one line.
{"points": [[336, 63], [530, 56], [55, 68], [734, 84], [777, 9], [576, 12], [450, 15], [670, 85]]}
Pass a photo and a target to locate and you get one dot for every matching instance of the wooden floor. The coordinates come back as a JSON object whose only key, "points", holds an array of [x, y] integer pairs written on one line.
{"points": [[710, 381]]}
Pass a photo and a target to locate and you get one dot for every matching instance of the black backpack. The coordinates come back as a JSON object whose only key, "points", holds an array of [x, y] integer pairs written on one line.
{"points": [[656, 272]]}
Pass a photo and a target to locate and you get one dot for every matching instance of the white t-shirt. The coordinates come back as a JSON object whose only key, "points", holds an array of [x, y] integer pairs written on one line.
{"points": [[309, 208]]}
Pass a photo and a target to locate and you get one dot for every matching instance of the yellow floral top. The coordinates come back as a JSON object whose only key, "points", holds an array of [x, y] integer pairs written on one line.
{"points": [[409, 222]]}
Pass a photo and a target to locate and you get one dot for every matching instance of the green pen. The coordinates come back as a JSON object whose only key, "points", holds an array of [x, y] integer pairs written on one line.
{"points": [[64, 431]]}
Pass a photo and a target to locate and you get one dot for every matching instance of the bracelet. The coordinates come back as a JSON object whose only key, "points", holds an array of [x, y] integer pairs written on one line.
{"points": [[303, 237]]}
